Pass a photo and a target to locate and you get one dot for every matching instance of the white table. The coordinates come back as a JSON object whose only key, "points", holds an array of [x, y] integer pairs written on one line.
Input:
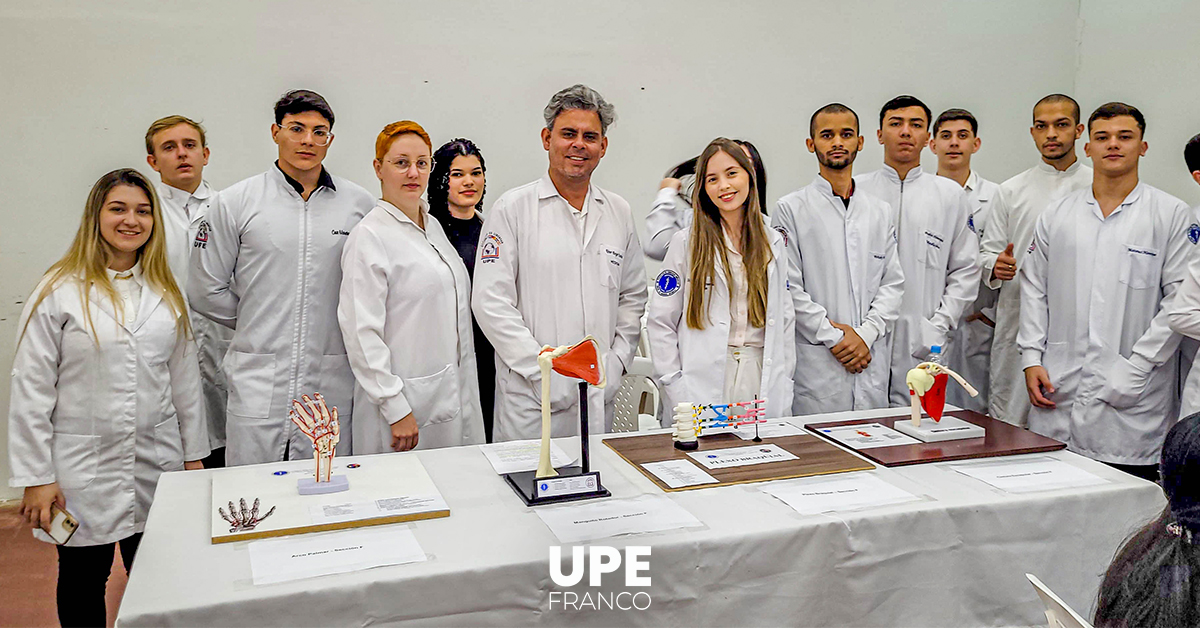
{"points": [[957, 558]]}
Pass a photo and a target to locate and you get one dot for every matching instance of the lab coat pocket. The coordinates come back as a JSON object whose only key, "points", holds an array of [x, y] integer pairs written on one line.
{"points": [[76, 457], [251, 383], [168, 445], [434, 398], [336, 384], [1140, 267], [818, 373], [875, 269], [926, 337], [1124, 384], [935, 251]]}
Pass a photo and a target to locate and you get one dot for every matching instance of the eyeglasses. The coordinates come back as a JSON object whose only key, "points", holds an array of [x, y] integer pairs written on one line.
{"points": [[404, 164], [321, 136]]}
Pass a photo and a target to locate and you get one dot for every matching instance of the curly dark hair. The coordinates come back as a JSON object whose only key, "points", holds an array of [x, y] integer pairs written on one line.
{"points": [[439, 176]]}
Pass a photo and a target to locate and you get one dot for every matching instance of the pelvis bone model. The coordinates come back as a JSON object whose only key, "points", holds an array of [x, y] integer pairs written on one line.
{"points": [[578, 361], [927, 384]]}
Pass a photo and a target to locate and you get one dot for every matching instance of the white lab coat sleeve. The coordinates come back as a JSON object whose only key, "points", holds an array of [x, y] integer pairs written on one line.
{"points": [[362, 315], [664, 221], [1184, 313], [812, 319], [1158, 343], [885, 308], [995, 238], [494, 297], [665, 317], [631, 302], [962, 273], [1035, 307], [34, 393], [211, 272], [184, 368]]}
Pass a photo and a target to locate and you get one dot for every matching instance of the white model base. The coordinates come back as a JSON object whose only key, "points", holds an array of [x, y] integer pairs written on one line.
{"points": [[310, 486], [949, 428]]}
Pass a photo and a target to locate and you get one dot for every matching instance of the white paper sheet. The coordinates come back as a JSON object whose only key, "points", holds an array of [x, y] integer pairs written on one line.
{"points": [[868, 436], [770, 429], [679, 473], [603, 518], [849, 491], [522, 455], [311, 555], [1029, 474], [385, 507], [741, 456]]}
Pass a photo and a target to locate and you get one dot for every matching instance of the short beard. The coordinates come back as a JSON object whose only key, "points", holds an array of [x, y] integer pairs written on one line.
{"points": [[837, 165], [1066, 150]]}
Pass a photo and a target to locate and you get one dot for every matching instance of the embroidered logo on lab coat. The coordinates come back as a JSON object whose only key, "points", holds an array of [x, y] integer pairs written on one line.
{"points": [[783, 232], [971, 224], [667, 283], [489, 251], [1193, 233], [201, 241]]}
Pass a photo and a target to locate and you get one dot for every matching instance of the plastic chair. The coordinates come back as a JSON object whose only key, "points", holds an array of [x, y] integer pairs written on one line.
{"points": [[1057, 612], [636, 396]]}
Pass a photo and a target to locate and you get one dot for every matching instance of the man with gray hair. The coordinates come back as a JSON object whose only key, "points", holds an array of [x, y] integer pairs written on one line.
{"points": [[559, 259]]}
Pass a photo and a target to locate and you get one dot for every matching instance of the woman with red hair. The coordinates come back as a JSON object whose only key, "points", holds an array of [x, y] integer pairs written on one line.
{"points": [[405, 313]]}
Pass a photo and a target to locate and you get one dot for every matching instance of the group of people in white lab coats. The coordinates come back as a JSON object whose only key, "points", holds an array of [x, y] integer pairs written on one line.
{"points": [[296, 281]]}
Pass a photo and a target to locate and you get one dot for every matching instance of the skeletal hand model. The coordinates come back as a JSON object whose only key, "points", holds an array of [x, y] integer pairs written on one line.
{"points": [[927, 384], [578, 361], [689, 425], [320, 424], [243, 520]]}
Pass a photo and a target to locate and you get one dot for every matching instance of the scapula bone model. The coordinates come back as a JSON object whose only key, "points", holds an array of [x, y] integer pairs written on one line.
{"points": [[927, 383], [578, 361]]}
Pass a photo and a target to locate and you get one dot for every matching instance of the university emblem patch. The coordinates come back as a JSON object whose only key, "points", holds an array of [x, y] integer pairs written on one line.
{"points": [[489, 249], [667, 283], [1193, 233]]}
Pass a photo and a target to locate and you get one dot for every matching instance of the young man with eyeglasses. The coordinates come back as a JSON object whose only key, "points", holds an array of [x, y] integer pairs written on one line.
{"points": [[266, 262]]}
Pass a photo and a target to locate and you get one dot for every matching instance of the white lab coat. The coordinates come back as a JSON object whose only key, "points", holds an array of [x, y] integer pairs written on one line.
{"points": [[1093, 292], [854, 278], [971, 343], [939, 255], [536, 285], [670, 214], [267, 263], [182, 214], [405, 314], [103, 419], [1018, 204], [1184, 318], [690, 364]]}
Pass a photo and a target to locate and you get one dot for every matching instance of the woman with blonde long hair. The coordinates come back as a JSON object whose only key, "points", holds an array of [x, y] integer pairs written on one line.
{"points": [[105, 390], [721, 320]]}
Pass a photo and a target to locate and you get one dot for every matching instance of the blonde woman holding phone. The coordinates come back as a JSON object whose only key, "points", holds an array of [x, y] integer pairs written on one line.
{"points": [[105, 389]]}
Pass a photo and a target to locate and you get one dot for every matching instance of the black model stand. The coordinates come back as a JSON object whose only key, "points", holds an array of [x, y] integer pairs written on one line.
{"points": [[572, 483]]}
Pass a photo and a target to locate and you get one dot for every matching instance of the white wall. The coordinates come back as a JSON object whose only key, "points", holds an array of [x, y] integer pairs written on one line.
{"points": [[82, 80]]}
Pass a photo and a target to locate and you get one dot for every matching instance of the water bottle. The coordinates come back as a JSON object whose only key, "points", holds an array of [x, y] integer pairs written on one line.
{"points": [[935, 355]]}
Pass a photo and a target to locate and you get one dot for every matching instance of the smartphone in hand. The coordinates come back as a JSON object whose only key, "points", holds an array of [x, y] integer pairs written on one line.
{"points": [[62, 525]]}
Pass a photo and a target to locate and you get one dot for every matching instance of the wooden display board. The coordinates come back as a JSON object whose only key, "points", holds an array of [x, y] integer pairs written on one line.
{"points": [[816, 457], [1000, 439], [386, 488]]}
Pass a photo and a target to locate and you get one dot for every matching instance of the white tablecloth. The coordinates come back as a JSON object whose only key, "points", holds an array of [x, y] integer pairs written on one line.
{"points": [[956, 558]]}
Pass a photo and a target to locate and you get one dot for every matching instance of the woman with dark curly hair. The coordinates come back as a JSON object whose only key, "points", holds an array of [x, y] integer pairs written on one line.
{"points": [[456, 188], [1155, 578]]}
